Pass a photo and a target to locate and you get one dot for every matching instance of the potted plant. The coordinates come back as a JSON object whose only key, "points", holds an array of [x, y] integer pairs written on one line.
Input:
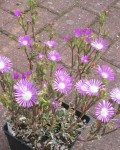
{"points": [[38, 115]]}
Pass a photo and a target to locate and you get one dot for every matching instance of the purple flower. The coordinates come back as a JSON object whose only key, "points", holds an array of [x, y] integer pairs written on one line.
{"points": [[78, 32], [15, 75], [23, 76], [81, 86], [99, 44], [104, 111], [115, 95], [62, 75], [67, 38], [93, 87], [25, 93], [25, 40], [88, 39], [50, 44], [87, 32], [28, 73], [40, 56], [5, 64], [85, 59], [63, 82], [106, 72], [55, 105], [54, 56], [17, 13]]}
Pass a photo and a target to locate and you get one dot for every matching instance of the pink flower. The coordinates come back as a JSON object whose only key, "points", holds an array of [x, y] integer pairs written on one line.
{"points": [[104, 111]]}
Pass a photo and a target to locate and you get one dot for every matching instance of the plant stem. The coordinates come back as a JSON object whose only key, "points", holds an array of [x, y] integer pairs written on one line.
{"points": [[30, 62], [32, 25], [2, 82]]}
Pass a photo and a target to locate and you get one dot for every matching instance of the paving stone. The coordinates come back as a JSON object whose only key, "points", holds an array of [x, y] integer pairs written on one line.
{"points": [[105, 142], [14, 28], [10, 49], [96, 5], [44, 18], [59, 6], [113, 54], [77, 18], [117, 4], [3, 16], [112, 24], [2, 1], [12, 5]]}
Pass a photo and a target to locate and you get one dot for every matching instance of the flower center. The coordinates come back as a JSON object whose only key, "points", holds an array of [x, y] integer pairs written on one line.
{"points": [[118, 95], [53, 58], [94, 89], [104, 75], [27, 95], [104, 112], [99, 46], [61, 85], [83, 88], [25, 42], [2, 65]]}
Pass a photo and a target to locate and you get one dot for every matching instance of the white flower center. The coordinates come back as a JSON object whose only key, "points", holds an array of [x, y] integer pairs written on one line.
{"points": [[27, 95], [61, 85], [25, 42], [50, 45], [99, 46], [117, 95], [2, 65], [53, 58], [83, 88], [94, 89], [104, 112], [104, 75]]}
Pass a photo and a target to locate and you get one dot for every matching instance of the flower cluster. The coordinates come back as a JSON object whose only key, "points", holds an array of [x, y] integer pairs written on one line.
{"points": [[40, 91], [89, 87]]}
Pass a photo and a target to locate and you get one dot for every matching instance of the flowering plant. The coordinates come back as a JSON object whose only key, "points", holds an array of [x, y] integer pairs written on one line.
{"points": [[34, 99]]}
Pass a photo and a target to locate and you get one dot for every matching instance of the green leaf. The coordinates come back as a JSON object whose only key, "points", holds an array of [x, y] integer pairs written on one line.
{"points": [[20, 21], [34, 19], [32, 2]]}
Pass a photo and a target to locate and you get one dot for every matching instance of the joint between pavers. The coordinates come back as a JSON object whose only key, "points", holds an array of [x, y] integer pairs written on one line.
{"points": [[108, 61], [116, 7], [11, 36], [92, 12], [113, 3], [48, 9], [68, 9]]}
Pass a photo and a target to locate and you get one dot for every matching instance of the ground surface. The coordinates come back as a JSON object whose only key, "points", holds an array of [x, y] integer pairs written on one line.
{"points": [[66, 15]]}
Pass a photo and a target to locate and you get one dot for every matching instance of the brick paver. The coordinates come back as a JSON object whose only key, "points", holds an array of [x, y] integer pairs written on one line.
{"points": [[112, 25], [11, 5], [113, 54], [3, 16], [96, 5], [64, 15], [59, 6], [77, 17]]}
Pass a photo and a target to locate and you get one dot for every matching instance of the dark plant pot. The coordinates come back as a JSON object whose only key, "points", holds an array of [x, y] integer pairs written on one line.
{"points": [[16, 144]]}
